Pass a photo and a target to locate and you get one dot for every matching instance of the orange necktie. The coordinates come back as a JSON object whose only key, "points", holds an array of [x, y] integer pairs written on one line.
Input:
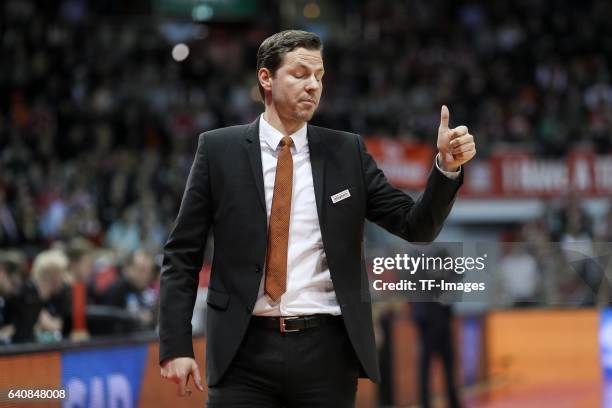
{"points": [[278, 234]]}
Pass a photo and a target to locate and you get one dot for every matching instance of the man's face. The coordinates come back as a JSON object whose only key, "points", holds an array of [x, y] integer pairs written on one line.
{"points": [[141, 271], [297, 84], [83, 268], [51, 282], [6, 284]]}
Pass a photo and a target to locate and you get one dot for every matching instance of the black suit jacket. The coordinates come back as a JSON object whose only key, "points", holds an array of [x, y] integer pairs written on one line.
{"points": [[225, 192]]}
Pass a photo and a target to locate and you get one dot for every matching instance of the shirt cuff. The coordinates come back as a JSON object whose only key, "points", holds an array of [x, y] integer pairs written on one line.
{"points": [[450, 174]]}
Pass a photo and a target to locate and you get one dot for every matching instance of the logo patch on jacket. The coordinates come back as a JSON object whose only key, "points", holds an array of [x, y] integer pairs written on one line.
{"points": [[340, 196]]}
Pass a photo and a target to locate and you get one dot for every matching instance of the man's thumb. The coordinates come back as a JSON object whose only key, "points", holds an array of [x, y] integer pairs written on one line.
{"points": [[444, 114]]}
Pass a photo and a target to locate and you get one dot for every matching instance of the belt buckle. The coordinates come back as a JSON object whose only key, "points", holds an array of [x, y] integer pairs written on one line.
{"points": [[283, 328]]}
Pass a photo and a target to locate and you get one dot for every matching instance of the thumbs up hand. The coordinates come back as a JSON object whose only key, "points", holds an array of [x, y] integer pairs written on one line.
{"points": [[456, 146]]}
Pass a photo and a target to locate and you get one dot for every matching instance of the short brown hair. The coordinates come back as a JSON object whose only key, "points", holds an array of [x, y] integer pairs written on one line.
{"points": [[77, 248], [274, 48]]}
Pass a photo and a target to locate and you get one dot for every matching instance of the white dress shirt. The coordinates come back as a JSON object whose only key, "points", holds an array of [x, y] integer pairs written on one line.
{"points": [[309, 286]]}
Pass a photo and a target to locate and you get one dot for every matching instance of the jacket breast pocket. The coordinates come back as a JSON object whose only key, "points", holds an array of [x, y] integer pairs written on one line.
{"points": [[217, 299]]}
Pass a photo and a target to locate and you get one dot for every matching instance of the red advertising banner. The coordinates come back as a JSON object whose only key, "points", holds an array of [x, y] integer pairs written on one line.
{"points": [[406, 164], [508, 174], [522, 175]]}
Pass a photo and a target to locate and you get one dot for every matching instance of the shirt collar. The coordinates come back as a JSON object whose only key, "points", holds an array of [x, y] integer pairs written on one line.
{"points": [[272, 136]]}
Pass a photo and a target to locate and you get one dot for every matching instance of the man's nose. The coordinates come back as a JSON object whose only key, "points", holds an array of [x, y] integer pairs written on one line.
{"points": [[313, 84]]}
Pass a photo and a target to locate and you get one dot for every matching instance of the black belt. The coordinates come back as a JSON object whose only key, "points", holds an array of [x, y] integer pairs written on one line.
{"points": [[288, 324]]}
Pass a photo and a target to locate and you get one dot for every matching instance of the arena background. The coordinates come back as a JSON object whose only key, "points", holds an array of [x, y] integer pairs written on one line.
{"points": [[101, 103]]}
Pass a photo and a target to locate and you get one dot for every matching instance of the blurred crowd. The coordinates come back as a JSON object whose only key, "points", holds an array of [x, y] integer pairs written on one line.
{"points": [[75, 291], [533, 73], [560, 259], [98, 123]]}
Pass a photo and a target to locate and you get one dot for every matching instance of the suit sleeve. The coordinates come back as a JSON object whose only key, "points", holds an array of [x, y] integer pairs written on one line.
{"points": [[397, 212], [182, 261]]}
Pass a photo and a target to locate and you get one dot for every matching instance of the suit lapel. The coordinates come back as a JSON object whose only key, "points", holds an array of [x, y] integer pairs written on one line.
{"points": [[317, 156], [253, 149]]}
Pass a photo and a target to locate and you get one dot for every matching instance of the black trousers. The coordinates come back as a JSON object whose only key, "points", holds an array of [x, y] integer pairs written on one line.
{"points": [[316, 367], [435, 338]]}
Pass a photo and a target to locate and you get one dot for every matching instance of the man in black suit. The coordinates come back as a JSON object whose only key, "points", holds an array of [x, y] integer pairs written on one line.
{"points": [[289, 320]]}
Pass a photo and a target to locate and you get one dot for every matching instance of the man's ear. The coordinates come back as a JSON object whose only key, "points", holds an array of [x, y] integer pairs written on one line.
{"points": [[265, 79]]}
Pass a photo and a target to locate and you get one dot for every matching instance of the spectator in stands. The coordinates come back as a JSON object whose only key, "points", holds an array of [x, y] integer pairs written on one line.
{"points": [[131, 290], [80, 254], [603, 229], [77, 290], [29, 311], [11, 281], [9, 231], [520, 276], [124, 233], [577, 248]]}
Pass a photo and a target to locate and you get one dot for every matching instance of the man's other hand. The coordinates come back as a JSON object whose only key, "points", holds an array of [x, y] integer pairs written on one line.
{"points": [[178, 370], [456, 145]]}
